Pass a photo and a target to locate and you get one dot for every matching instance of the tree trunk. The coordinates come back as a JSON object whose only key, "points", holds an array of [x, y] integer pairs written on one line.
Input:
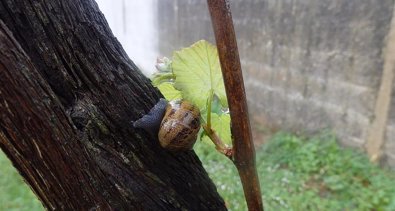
{"points": [[68, 94]]}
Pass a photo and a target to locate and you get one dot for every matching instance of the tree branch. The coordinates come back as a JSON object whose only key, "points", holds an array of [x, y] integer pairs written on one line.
{"points": [[243, 146], [68, 93]]}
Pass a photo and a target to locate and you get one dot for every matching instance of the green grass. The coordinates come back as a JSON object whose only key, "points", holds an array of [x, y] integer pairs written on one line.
{"points": [[15, 195], [300, 174], [296, 174]]}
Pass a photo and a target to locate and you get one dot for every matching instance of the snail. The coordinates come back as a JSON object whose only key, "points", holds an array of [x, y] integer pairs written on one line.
{"points": [[175, 123]]}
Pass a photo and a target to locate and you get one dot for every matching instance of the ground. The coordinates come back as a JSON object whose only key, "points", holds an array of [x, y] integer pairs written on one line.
{"points": [[296, 173]]}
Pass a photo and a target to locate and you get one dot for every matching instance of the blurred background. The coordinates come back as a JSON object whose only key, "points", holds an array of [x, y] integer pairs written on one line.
{"points": [[319, 78], [307, 65], [134, 23]]}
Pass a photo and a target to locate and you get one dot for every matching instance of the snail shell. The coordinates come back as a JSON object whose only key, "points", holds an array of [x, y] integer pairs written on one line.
{"points": [[176, 124], [180, 126]]}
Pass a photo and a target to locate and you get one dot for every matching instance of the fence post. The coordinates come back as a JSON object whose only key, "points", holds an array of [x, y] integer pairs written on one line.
{"points": [[375, 139]]}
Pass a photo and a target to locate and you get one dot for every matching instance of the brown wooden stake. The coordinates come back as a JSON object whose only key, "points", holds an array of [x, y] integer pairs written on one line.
{"points": [[376, 134], [243, 146]]}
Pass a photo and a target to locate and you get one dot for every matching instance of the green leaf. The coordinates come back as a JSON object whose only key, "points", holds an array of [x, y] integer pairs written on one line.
{"points": [[197, 71], [160, 78], [216, 106], [221, 125], [164, 72], [169, 92]]}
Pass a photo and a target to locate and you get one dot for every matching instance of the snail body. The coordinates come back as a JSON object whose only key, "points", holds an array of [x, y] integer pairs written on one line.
{"points": [[175, 123]]}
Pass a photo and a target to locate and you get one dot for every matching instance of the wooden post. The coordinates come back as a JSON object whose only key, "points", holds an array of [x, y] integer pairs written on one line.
{"points": [[376, 135]]}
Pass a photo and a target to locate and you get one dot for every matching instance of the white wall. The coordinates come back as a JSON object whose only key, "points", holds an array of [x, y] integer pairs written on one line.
{"points": [[133, 22]]}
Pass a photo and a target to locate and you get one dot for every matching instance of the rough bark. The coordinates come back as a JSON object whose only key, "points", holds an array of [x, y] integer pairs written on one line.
{"points": [[68, 93]]}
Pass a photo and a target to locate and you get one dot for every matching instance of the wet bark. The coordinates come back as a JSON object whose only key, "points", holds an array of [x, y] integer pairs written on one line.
{"points": [[68, 93]]}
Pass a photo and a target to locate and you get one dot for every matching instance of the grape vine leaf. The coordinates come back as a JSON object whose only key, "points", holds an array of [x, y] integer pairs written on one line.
{"points": [[220, 124], [198, 71], [169, 92]]}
